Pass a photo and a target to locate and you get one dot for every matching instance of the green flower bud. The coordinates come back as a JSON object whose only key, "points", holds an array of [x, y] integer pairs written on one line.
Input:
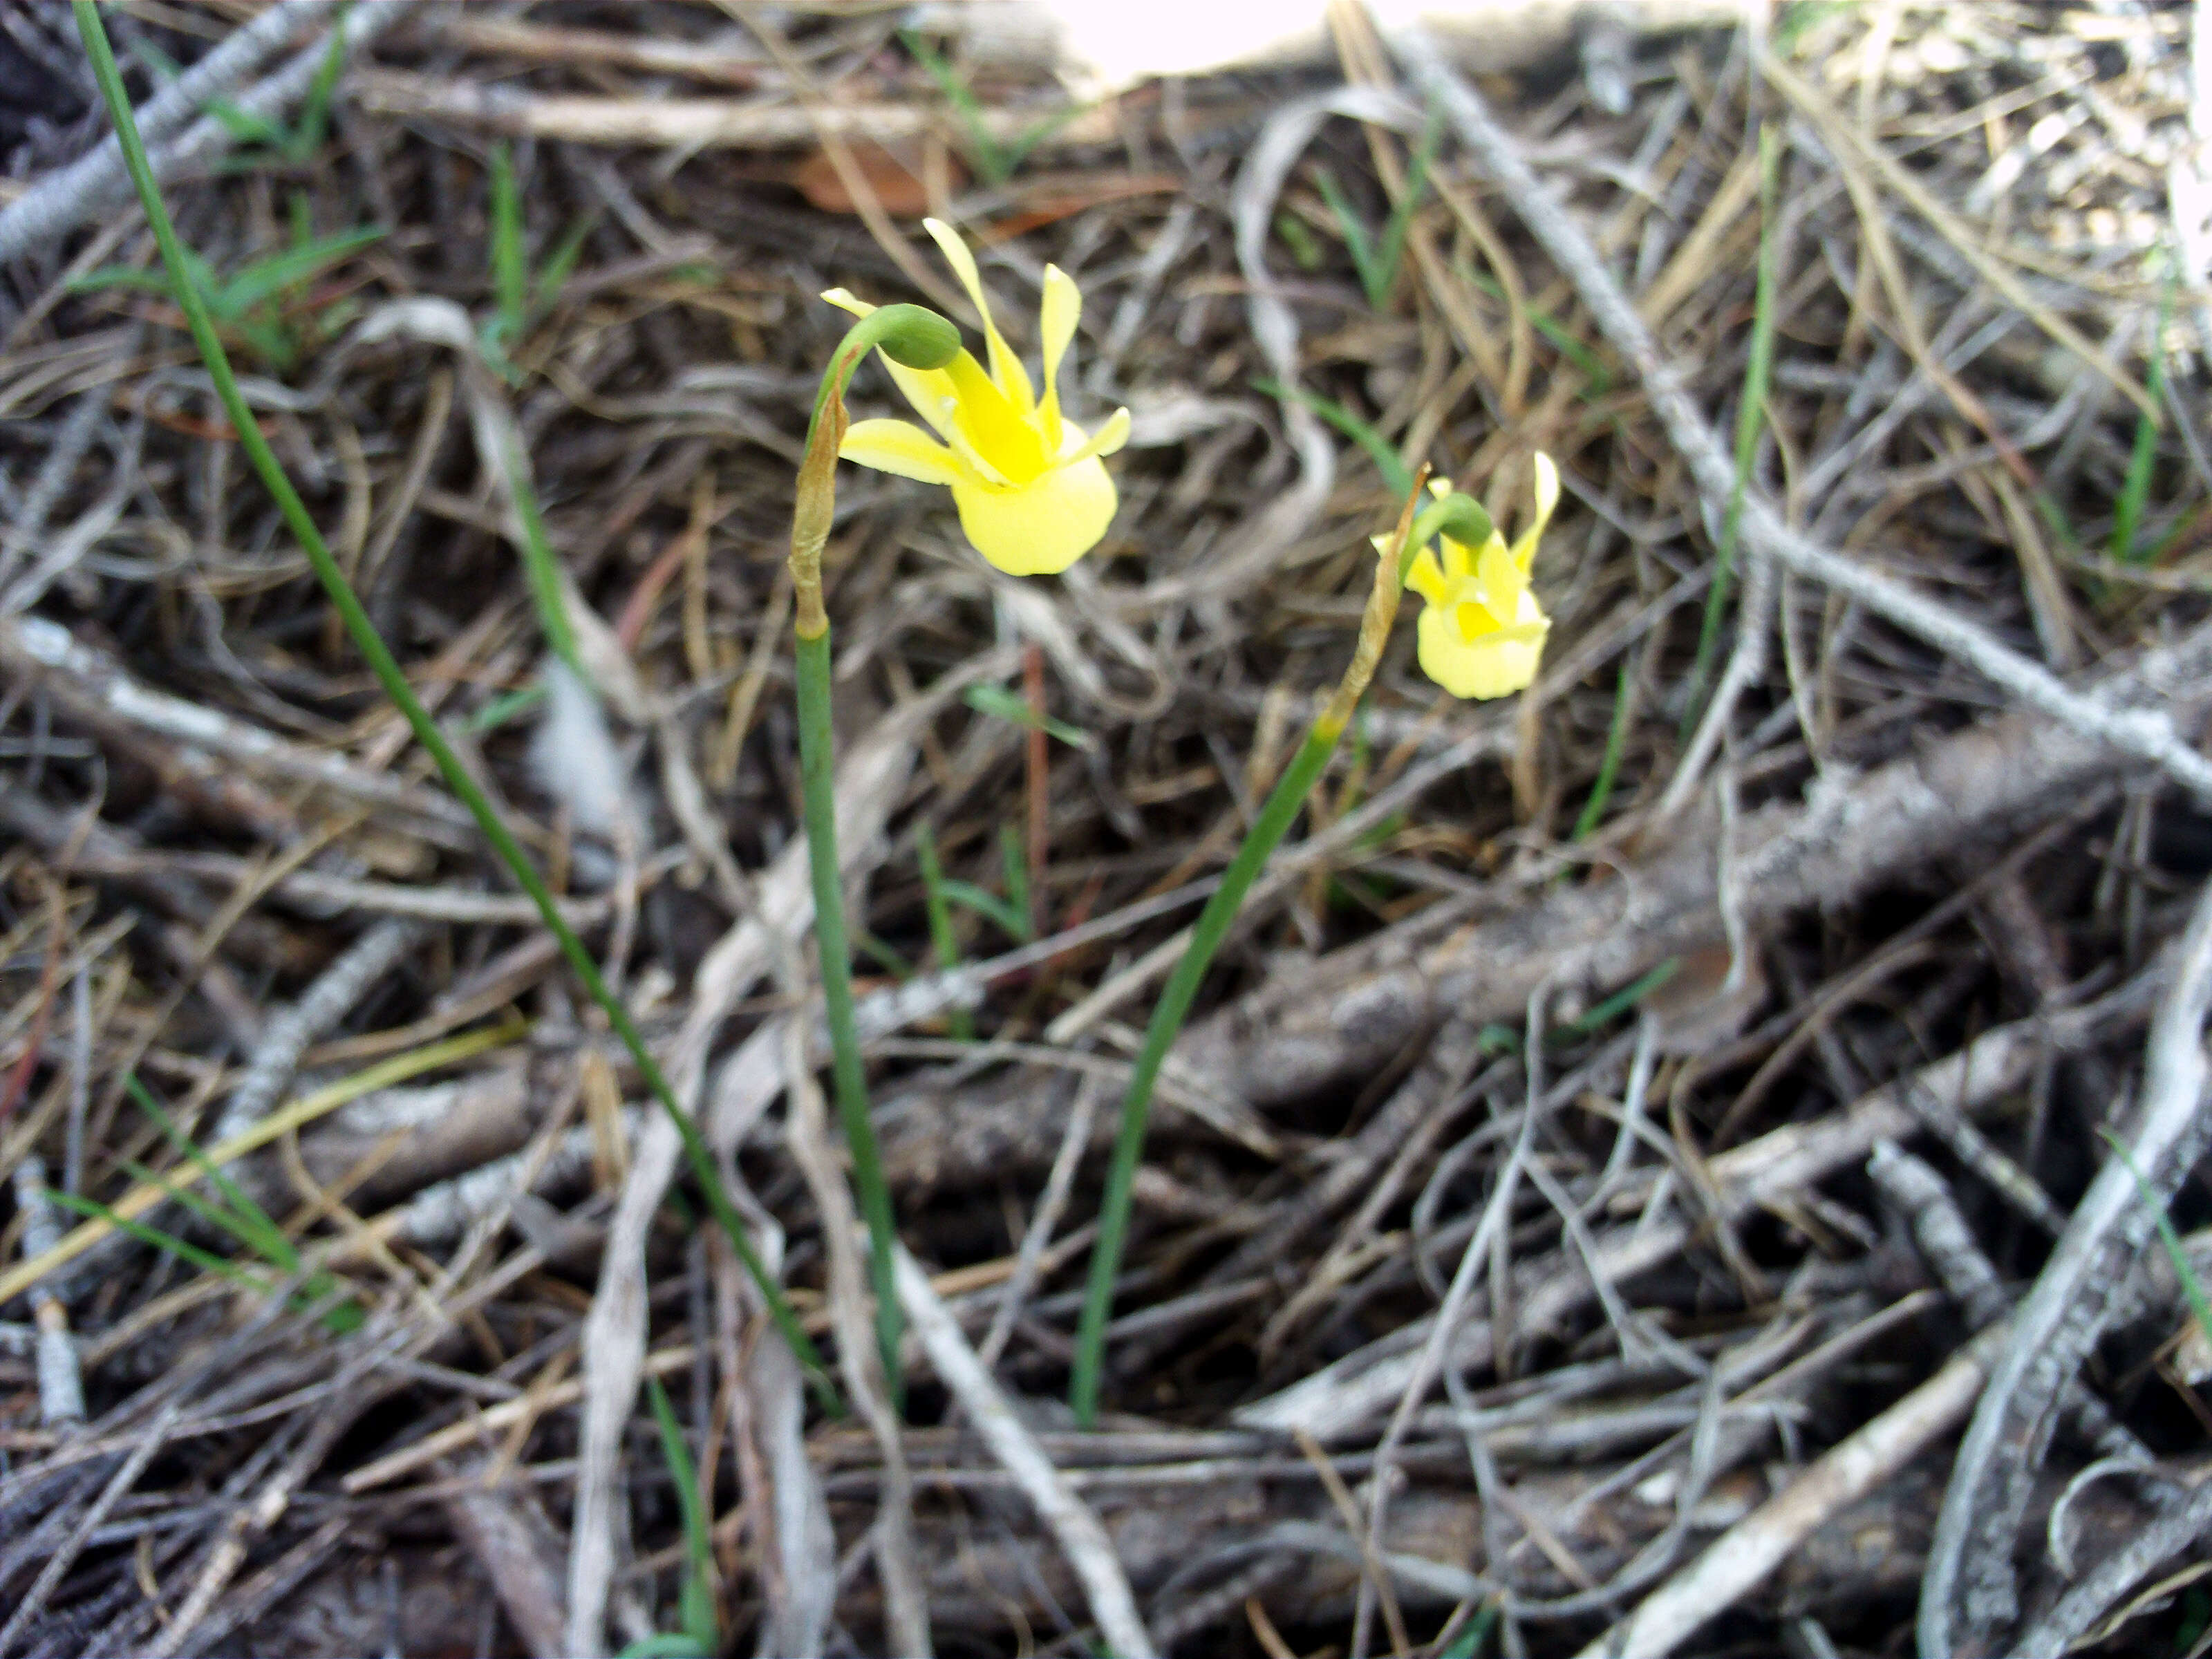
{"points": [[916, 335], [1460, 517]]}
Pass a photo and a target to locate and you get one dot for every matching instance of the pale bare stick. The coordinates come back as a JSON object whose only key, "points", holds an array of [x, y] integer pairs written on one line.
{"points": [[1077, 1530], [1742, 1558], [1969, 1569]]}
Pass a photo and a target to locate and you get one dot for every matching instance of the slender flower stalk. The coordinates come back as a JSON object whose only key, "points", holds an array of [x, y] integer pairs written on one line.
{"points": [[1281, 809], [394, 681], [916, 339]]}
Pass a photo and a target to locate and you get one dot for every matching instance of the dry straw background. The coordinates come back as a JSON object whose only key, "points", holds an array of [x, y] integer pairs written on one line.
{"points": [[1813, 1312]]}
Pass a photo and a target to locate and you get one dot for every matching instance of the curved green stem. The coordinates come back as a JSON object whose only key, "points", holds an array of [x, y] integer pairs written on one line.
{"points": [[1276, 816], [919, 338], [394, 681], [914, 334]]}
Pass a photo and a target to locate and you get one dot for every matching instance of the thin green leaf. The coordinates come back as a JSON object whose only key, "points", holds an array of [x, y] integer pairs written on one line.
{"points": [[1364, 258], [269, 277], [671, 1644], [214, 1215], [997, 701], [233, 1194], [114, 276], [1397, 477], [1471, 1641], [560, 265], [1618, 1004], [183, 1249], [315, 109], [2191, 1286], [985, 154], [880, 952], [944, 941], [697, 1601], [1036, 133], [245, 126], [510, 274], [2142, 458], [1616, 741], [989, 905], [1392, 250], [1300, 240], [501, 709]]}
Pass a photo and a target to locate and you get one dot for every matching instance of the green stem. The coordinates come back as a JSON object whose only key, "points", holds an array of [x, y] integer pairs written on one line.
{"points": [[1206, 936], [1456, 515], [394, 681], [817, 786], [1616, 742]]}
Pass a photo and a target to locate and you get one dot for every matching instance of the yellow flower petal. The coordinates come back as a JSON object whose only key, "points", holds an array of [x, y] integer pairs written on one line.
{"points": [[1006, 368], [1496, 663], [1499, 580], [1001, 435], [1057, 315], [903, 447], [1547, 497], [1111, 436], [1041, 530], [1427, 578]]}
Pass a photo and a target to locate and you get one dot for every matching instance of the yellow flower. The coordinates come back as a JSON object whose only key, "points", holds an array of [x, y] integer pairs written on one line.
{"points": [[1482, 632], [1033, 494]]}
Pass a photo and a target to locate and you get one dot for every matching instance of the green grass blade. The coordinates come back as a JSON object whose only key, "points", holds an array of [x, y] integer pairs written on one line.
{"points": [[510, 274], [2191, 1286], [989, 905], [183, 1249], [540, 569], [1393, 249], [1750, 418], [269, 1240], [880, 951], [114, 276], [1365, 259], [1562, 339], [985, 154], [264, 279], [944, 942], [1618, 1004], [1304, 251], [2142, 458], [245, 126], [1036, 133], [1397, 477], [215, 1215], [1616, 741], [388, 674], [700, 1624], [560, 264], [315, 109], [1002, 704], [501, 709], [1472, 1639]]}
